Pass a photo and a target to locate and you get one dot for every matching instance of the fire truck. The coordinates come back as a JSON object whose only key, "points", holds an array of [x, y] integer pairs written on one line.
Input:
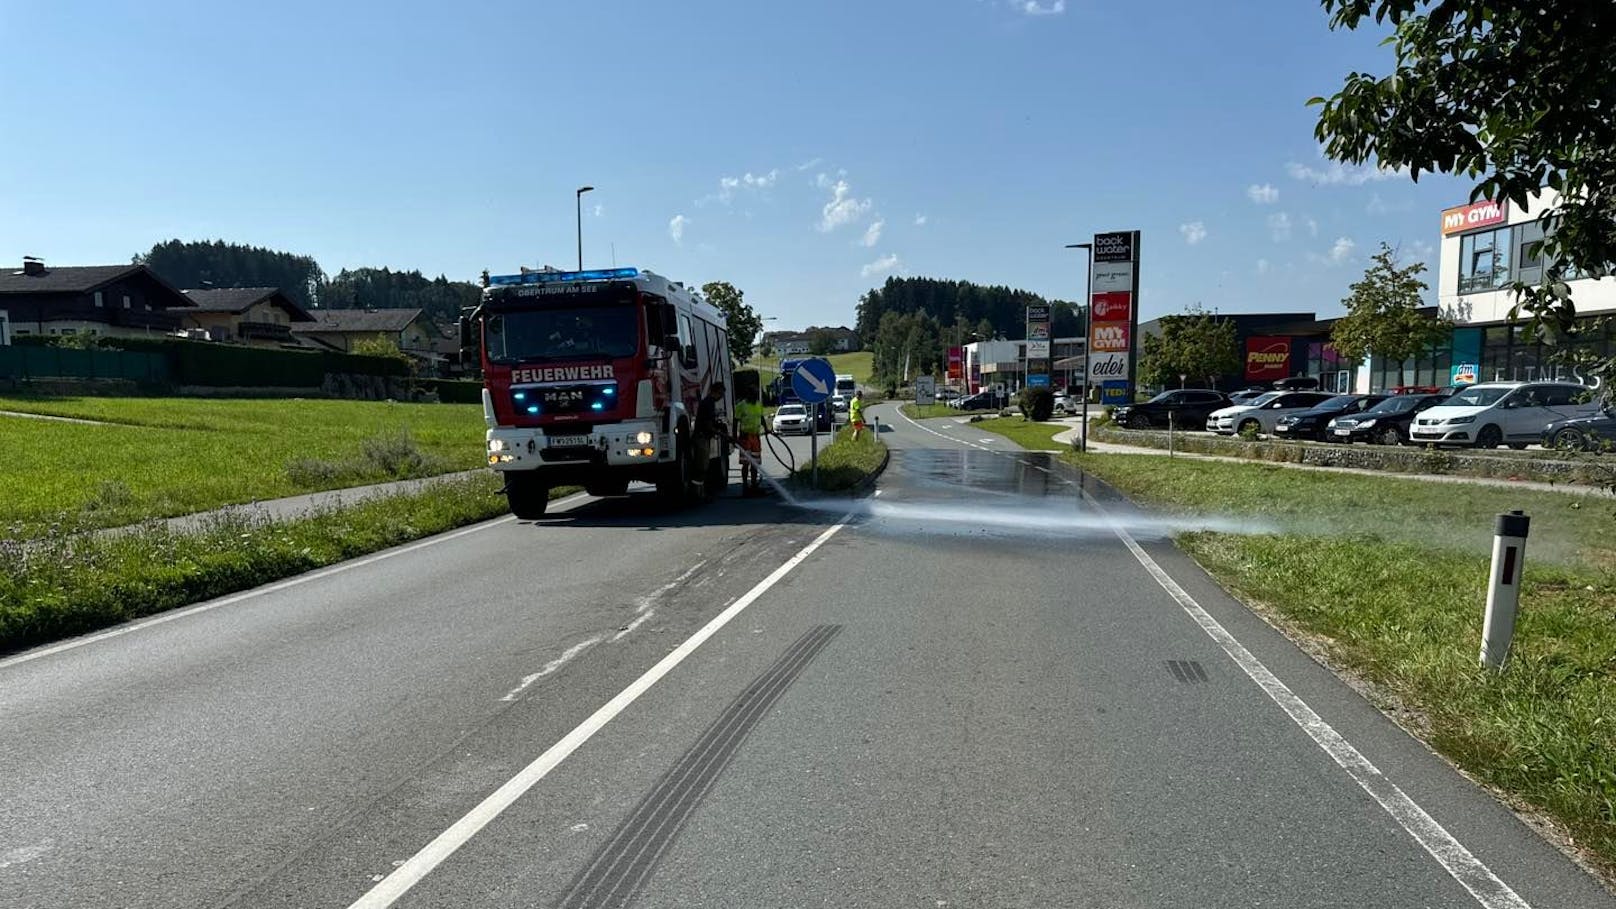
{"points": [[594, 378]]}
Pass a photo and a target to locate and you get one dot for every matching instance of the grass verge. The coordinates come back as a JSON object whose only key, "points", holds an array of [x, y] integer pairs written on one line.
{"points": [[926, 411], [161, 457], [57, 587], [845, 464], [1387, 577], [1026, 433]]}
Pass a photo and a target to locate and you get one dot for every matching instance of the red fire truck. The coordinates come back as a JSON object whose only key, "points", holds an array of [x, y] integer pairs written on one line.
{"points": [[594, 378]]}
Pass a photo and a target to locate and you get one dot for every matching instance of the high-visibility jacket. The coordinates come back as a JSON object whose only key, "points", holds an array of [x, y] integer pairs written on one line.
{"points": [[749, 417], [855, 410]]}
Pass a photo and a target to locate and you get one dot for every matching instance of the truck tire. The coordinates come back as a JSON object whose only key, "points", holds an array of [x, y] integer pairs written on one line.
{"points": [[527, 494]]}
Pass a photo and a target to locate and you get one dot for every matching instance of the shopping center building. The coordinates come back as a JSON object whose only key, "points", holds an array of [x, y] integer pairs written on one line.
{"points": [[1486, 246]]}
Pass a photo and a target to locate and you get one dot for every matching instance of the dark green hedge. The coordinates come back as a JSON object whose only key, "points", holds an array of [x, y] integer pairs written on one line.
{"points": [[210, 364]]}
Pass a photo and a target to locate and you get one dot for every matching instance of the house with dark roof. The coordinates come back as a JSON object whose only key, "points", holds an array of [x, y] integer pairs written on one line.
{"points": [[260, 316], [119, 301], [340, 329]]}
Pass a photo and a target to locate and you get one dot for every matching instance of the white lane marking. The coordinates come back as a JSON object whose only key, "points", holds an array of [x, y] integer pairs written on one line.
{"points": [[941, 435], [419, 865], [276, 587], [646, 602], [560, 661], [1474, 875]]}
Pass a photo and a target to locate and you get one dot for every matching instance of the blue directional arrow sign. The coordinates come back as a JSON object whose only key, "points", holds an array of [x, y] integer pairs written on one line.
{"points": [[813, 380]]}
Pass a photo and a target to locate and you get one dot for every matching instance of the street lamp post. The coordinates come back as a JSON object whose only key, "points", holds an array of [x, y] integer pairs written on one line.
{"points": [[579, 198], [1088, 323]]}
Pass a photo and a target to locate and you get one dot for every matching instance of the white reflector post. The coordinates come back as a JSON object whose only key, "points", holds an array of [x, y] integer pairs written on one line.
{"points": [[1504, 588]]}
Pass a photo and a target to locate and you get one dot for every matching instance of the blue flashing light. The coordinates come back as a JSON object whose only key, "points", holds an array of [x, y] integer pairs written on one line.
{"points": [[609, 390], [597, 406], [564, 277], [520, 396], [533, 408]]}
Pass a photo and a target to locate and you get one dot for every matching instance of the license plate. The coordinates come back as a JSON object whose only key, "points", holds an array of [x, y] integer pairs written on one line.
{"points": [[1343, 432], [567, 441]]}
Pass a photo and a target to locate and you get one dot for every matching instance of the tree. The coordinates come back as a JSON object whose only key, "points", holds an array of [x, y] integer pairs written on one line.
{"points": [[765, 348], [379, 346], [188, 264], [744, 323], [821, 342], [1383, 313], [1194, 343], [1516, 96]]}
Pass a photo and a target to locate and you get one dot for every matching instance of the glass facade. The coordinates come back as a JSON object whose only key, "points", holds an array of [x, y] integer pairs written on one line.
{"points": [[1499, 353], [1489, 259]]}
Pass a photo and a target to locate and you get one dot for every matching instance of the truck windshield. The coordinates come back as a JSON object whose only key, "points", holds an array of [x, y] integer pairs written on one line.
{"points": [[535, 334]]}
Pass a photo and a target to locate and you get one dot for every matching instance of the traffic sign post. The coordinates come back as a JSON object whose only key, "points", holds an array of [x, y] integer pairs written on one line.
{"points": [[813, 381]]}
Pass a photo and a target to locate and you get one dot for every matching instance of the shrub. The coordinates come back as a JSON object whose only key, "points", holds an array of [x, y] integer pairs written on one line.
{"points": [[1037, 403]]}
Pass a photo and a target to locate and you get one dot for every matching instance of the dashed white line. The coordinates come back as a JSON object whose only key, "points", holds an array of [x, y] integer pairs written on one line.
{"points": [[419, 865]]}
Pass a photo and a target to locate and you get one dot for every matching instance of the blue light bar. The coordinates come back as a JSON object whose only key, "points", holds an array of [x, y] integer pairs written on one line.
{"points": [[597, 406], [563, 277], [532, 408]]}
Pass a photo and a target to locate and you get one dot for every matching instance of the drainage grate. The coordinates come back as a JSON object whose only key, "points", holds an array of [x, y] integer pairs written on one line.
{"points": [[618, 871], [1186, 670]]}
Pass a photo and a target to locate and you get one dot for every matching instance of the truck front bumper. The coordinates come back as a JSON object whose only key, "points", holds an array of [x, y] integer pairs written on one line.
{"points": [[631, 444]]}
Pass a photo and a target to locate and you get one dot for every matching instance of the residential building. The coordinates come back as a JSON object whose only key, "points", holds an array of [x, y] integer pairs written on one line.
{"points": [[119, 301], [798, 343], [259, 316], [5, 328], [340, 329]]}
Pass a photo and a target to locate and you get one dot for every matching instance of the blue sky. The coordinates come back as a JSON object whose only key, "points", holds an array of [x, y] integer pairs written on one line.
{"points": [[802, 151]]}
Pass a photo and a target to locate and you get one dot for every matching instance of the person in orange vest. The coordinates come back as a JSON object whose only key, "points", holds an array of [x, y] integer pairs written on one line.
{"points": [[855, 414]]}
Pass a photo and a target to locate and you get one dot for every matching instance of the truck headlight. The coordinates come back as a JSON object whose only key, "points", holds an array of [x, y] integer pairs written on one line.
{"points": [[496, 444], [643, 437]]}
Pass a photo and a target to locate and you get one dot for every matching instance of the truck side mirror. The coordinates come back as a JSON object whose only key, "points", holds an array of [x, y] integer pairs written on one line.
{"points": [[468, 333]]}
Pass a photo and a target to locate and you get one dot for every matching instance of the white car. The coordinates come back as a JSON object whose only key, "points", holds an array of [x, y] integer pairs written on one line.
{"points": [[791, 418], [1261, 413], [838, 406], [1501, 413]]}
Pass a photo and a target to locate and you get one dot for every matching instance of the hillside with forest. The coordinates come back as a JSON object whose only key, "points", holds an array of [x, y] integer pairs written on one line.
{"points": [[909, 323]]}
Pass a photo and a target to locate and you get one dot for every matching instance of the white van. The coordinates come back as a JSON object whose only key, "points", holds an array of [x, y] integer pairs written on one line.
{"points": [[1500, 413]]}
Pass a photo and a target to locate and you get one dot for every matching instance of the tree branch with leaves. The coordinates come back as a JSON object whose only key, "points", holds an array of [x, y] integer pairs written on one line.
{"points": [[1383, 313], [1194, 343]]}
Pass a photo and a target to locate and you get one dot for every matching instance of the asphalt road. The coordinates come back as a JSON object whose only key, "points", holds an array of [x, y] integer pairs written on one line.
{"points": [[970, 690]]}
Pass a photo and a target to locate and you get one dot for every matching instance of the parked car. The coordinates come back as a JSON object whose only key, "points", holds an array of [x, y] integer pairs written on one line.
{"points": [[1501, 413], [1246, 396], [838, 404], [1263, 412], [1591, 433], [791, 418], [1311, 424], [1189, 408], [1386, 423], [1068, 403], [982, 400]]}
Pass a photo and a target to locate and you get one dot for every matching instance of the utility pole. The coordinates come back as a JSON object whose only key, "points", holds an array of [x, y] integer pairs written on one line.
{"points": [[578, 197]]}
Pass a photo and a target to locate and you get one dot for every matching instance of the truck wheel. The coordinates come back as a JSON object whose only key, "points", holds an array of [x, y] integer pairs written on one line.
{"points": [[527, 495], [673, 482], [607, 488]]}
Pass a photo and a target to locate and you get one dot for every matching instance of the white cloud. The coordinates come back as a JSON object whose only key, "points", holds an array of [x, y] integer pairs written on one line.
{"points": [[1194, 232], [1334, 173], [808, 165], [843, 207], [884, 265], [1422, 251], [600, 210], [1262, 194], [1312, 227], [823, 181], [872, 234], [920, 220], [1279, 226], [1264, 267], [1034, 8], [1340, 253], [676, 228], [750, 181]]}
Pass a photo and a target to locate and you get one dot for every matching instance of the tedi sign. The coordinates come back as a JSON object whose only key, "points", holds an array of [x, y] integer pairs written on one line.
{"points": [[1472, 217]]}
